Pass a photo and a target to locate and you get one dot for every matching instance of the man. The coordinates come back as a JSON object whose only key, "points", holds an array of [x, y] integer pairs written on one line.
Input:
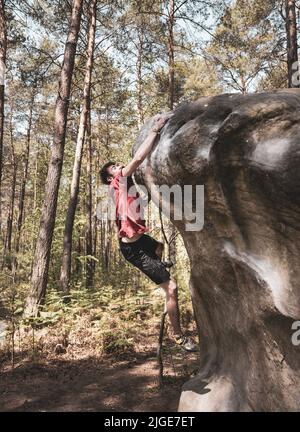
{"points": [[138, 248]]}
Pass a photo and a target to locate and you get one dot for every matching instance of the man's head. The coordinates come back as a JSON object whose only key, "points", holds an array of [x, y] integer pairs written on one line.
{"points": [[109, 171]]}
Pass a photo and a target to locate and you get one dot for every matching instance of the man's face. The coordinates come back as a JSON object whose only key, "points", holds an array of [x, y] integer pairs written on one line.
{"points": [[114, 170]]}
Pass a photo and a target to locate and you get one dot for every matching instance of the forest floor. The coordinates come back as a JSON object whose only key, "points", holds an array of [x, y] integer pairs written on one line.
{"points": [[80, 380]]}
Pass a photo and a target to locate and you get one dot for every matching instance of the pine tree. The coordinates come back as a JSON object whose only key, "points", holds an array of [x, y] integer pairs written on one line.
{"points": [[3, 46], [243, 44], [67, 245], [292, 46], [43, 247]]}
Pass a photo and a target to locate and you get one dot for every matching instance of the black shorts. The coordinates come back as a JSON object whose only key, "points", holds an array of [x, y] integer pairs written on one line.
{"points": [[141, 254]]}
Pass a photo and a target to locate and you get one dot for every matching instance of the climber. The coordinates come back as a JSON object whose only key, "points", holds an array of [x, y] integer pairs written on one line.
{"points": [[140, 249]]}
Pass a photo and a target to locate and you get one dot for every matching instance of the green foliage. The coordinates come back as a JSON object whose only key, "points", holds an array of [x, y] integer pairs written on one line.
{"points": [[92, 320], [114, 343], [199, 79], [218, 46], [243, 46]]}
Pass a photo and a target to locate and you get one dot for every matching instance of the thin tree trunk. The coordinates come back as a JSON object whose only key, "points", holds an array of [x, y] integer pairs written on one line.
{"points": [[89, 209], [35, 186], [10, 216], [243, 84], [95, 243], [292, 47], [139, 83], [171, 23], [107, 246], [25, 178], [78, 264], [3, 46], [139, 64], [65, 272], [43, 247], [96, 222], [102, 243], [34, 204]]}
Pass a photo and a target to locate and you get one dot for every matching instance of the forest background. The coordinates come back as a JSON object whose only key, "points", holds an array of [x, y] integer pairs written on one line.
{"points": [[80, 80]]}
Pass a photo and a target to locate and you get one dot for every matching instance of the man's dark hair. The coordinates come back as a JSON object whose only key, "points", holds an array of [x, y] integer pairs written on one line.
{"points": [[104, 173]]}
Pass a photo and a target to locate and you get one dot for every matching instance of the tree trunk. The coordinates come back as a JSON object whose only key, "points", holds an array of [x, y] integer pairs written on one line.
{"points": [[43, 247], [101, 248], [10, 217], [78, 264], [243, 84], [171, 22], [292, 47], [96, 222], [89, 209], [139, 66], [2, 83], [95, 244], [107, 245], [65, 272], [25, 178]]}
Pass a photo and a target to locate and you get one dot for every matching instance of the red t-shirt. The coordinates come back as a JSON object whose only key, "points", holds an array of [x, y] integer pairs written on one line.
{"points": [[128, 210]]}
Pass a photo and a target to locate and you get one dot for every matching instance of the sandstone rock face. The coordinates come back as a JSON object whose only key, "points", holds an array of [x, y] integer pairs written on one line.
{"points": [[245, 272]]}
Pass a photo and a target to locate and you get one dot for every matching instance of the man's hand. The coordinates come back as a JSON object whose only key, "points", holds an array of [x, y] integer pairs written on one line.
{"points": [[159, 123], [146, 146]]}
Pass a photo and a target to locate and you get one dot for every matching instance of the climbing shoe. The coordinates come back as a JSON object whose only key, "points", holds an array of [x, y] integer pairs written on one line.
{"points": [[186, 343]]}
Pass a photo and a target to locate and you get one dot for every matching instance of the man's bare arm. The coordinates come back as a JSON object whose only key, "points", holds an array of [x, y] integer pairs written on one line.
{"points": [[145, 148]]}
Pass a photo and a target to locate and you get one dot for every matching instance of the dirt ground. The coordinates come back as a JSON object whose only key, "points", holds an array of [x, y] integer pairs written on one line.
{"points": [[104, 384]]}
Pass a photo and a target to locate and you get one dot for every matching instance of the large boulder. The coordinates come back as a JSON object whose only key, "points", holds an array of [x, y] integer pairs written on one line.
{"points": [[245, 272]]}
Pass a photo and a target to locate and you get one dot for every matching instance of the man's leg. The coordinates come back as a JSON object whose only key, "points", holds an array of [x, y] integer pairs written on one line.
{"points": [[156, 271], [171, 291]]}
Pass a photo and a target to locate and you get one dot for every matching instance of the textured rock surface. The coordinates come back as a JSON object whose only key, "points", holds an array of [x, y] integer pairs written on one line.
{"points": [[245, 272]]}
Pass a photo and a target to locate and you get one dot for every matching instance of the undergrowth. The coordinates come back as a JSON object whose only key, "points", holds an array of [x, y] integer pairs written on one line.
{"points": [[90, 323]]}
